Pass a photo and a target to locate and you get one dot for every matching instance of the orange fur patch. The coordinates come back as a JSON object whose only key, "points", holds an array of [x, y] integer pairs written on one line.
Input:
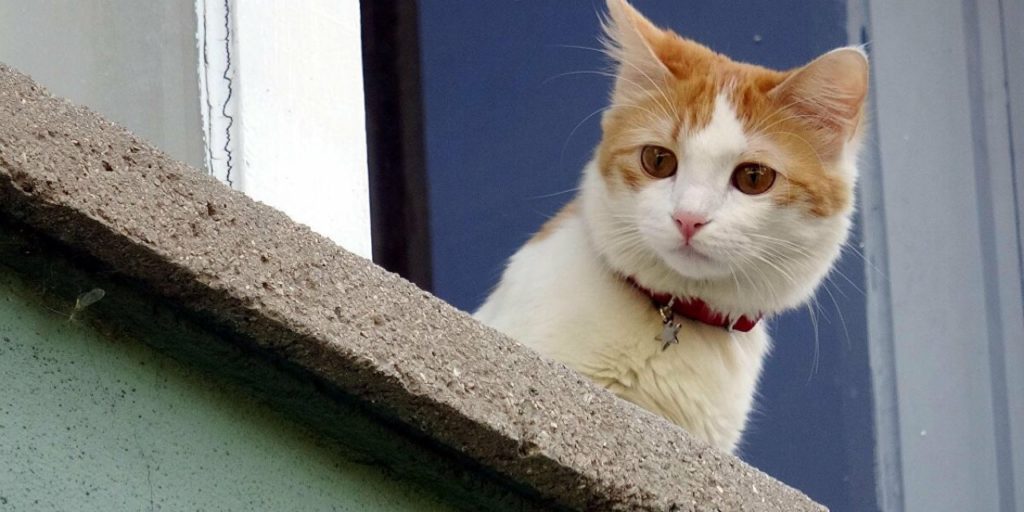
{"points": [[809, 180], [698, 75], [568, 211]]}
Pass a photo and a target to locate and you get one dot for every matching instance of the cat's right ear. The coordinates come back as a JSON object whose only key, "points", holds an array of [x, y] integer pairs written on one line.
{"points": [[631, 40], [828, 97]]}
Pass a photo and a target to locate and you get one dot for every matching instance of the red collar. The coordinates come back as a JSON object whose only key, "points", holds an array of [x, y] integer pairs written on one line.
{"points": [[696, 309]]}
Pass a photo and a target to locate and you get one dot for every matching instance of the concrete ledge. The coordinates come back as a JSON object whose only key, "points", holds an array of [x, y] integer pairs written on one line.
{"points": [[173, 233]]}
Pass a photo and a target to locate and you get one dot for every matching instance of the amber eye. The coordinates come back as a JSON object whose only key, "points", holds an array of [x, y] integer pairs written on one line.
{"points": [[658, 161], [753, 179]]}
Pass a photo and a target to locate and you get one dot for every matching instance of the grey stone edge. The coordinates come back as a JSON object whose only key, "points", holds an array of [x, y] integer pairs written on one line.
{"points": [[389, 372]]}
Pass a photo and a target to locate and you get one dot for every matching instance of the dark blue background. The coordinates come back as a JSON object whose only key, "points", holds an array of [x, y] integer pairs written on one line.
{"points": [[504, 90]]}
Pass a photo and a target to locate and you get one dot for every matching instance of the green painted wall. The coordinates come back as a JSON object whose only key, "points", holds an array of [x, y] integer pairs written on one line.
{"points": [[89, 423]]}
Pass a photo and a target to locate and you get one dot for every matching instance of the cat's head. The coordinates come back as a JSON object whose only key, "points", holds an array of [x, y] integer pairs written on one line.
{"points": [[723, 179]]}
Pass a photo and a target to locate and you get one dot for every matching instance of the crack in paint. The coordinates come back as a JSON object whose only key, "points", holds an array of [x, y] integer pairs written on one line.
{"points": [[212, 117], [227, 100]]}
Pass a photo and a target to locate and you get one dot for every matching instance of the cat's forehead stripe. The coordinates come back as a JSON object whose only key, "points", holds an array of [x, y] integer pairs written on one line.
{"points": [[722, 136]]}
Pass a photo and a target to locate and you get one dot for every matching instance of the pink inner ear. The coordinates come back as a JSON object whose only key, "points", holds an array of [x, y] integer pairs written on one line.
{"points": [[828, 95]]}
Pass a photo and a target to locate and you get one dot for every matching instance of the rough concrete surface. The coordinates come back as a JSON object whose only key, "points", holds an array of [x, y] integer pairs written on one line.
{"points": [[183, 236]]}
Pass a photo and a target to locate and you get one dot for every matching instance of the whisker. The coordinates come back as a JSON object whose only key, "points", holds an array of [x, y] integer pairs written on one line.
{"points": [[817, 343], [839, 311], [553, 194], [565, 145]]}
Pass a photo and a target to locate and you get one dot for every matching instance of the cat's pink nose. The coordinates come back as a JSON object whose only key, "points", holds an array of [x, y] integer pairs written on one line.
{"points": [[689, 223]]}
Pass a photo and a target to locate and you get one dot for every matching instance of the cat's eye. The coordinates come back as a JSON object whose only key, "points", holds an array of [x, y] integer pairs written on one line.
{"points": [[752, 178], [658, 162]]}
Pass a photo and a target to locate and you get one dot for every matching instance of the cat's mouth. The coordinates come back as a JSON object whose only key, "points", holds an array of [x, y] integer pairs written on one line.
{"points": [[692, 262], [689, 251]]}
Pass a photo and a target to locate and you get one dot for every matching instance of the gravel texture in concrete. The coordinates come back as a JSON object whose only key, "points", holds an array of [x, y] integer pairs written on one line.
{"points": [[184, 237]]}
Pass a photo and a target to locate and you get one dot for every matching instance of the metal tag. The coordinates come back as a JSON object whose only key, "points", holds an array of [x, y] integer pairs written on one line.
{"points": [[669, 327], [669, 335]]}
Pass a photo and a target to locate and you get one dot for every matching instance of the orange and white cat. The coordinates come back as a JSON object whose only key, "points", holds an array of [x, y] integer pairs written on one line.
{"points": [[720, 193]]}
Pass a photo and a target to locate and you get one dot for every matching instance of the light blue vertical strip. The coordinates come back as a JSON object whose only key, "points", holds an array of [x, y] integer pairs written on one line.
{"points": [[997, 218], [950, 220], [1011, 15], [994, 100], [880, 327], [888, 468], [990, 128]]}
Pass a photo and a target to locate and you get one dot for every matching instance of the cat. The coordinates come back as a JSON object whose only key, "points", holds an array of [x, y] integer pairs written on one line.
{"points": [[720, 193]]}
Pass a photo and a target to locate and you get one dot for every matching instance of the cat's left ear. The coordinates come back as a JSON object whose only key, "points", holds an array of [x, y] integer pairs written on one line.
{"points": [[828, 96], [631, 39]]}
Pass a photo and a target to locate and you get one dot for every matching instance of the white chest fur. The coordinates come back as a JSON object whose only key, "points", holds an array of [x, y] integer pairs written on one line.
{"points": [[558, 297]]}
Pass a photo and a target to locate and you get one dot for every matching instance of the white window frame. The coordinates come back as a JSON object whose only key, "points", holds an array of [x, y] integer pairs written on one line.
{"points": [[281, 91]]}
